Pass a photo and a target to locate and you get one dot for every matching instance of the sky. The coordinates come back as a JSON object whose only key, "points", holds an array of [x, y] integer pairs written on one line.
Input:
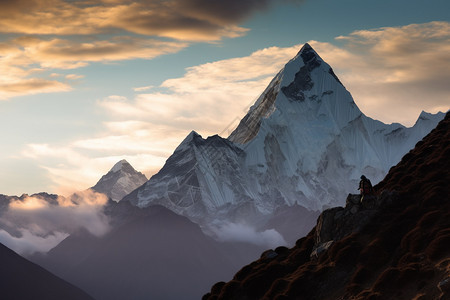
{"points": [[86, 83]]}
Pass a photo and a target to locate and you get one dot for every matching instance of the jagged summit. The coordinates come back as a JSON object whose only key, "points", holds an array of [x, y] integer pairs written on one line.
{"points": [[305, 88], [425, 116], [192, 138], [119, 165], [121, 180]]}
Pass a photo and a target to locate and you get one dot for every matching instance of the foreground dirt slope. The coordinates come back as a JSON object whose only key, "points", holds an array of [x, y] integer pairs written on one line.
{"points": [[394, 246]]}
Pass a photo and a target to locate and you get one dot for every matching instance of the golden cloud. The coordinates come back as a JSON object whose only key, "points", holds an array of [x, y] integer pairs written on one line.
{"points": [[31, 86], [43, 223], [202, 20], [68, 54], [60, 34], [20, 56], [395, 72]]}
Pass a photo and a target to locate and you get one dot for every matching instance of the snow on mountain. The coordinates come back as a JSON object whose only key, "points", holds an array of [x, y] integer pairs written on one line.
{"points": [[303, 142], [200, 177], [121, 180]]}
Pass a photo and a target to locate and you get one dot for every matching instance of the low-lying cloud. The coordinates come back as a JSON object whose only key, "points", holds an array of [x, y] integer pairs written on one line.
{"points": [[38, 223], [237, 232], [29, 243]]}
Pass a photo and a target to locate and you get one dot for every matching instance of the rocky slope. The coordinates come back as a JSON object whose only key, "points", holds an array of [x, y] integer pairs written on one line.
{"points": [[22, 280], [393, 246]]}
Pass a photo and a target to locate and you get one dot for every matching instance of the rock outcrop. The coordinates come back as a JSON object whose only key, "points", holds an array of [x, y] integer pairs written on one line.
{"points": [[336, 223]]}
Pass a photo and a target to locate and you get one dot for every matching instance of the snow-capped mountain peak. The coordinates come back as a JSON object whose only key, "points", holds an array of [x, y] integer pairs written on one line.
{"points": [[121, 180], [118, 166], [304, 142], [305, 89]]}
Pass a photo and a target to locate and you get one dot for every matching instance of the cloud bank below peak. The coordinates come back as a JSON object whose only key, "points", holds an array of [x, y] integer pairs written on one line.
{"points": [[38, 225]]}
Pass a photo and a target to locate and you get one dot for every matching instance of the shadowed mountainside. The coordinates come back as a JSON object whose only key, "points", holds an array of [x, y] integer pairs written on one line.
{"points": [[21, 280], [396, 245], [151, 253]]}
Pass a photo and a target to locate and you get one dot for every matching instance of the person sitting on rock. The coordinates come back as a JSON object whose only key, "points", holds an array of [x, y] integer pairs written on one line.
{"points": [[365, 187]]}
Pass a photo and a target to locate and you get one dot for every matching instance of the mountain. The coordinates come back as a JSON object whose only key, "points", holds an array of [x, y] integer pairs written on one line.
{"points": [[21, 279], [395, 245], [150, 253], [304, 142], [121, 180]]}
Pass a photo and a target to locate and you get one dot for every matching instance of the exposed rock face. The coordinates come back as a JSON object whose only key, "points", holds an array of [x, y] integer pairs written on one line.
{"points": [[395, 246], [336, 223], [249, 126], [302, 81]]}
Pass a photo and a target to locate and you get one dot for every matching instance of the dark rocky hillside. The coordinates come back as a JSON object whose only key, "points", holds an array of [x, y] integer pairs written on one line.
{"points": [[396, 245], [21, 279]]}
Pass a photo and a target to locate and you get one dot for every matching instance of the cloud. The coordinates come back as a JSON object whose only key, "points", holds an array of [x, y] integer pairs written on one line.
{"points": [[74, 76], [68, 54], [29, 243], [143, 88], [207, 97], [23, 86], [394, 73], [20, 56], [234, 232], [66, 34], [42, 224], [200, 20]]}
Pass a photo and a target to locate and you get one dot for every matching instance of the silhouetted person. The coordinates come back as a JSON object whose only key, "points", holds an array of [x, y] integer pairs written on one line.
{"points": [[365, 187]]}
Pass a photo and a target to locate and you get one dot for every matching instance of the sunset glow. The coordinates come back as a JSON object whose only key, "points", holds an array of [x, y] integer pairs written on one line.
{"points": [[87, 83]]}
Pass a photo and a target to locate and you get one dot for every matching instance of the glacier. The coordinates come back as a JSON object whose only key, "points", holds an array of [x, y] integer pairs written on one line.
{"points": [[303, 143]]}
